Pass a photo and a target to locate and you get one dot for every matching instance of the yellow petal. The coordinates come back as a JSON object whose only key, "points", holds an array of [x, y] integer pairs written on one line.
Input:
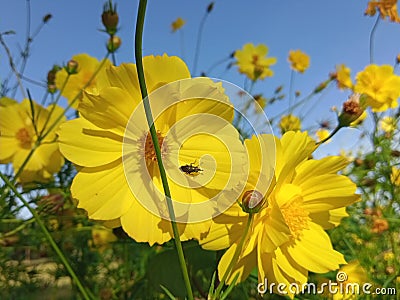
{"points": [[314, 251], [103, 191], [88, 145]]}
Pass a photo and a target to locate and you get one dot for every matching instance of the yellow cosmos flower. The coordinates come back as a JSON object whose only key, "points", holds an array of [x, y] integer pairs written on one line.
{"points": [[348, 275], [388, 124], [20, 129], [287, 237], [87, 66], [5, 101], [299, 60], [102, 237], [177, 24], [252, 61], [395, 176], [289, 123], [343, 77], [381, 86], [387, 9], [119, 180]]}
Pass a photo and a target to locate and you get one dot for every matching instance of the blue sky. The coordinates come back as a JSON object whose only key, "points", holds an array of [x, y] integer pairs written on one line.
{"points": [[331, 32]]}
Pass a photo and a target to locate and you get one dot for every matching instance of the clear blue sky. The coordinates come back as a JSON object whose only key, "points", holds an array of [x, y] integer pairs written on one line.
{"points": [[331, 32]]}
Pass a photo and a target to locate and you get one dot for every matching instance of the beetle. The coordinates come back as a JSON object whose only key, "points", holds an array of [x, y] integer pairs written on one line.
{"points": [[191, 169]]}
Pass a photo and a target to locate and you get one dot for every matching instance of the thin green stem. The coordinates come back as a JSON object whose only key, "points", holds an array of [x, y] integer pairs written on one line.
{"points": [[371, 40], [153, 132], [198, 43], [291, 84], [235, 257], [48, 237], [330, 136]]}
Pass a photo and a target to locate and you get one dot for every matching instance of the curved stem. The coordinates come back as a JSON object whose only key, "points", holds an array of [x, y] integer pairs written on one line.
{"points": [[235, 257], [153, 132], [48, 237], [198, 43], [371, 40]]}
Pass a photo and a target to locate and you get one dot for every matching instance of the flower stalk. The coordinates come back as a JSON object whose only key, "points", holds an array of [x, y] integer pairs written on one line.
{"points": [[153, 133]]}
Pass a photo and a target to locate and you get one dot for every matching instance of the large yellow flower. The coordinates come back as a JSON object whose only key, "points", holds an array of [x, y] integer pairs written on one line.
{"points": [[87, 66], [381, 86], [252, 61], [119, 180], [299, 60], [20, 125], [287, 237], [387, 9]]}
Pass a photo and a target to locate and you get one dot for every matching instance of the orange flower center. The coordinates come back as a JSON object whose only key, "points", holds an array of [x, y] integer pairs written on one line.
{"points": [[296, 217], [255, 59], [25, 139], [149, 151]]}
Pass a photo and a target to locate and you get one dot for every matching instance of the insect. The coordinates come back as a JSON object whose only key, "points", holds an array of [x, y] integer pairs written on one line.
{"points": [[191, 169]]}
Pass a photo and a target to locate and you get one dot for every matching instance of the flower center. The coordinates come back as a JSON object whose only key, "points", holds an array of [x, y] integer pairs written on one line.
{"points": [[25, 139], [149, 151], [296, 217]]}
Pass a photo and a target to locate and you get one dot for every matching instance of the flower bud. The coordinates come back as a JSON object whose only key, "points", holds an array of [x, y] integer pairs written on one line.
{"points": [[110, 18], [210, 7], [51, 79], [252, 201], [72, 67], [114, 43], [47, 18], [398, 59], [351, 111]]}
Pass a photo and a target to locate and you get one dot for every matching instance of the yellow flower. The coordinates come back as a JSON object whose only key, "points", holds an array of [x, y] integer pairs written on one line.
{"points": [[287, 237], [177, 24], [388, 124], [346, 278], [381, 86], [387, 9], [252, 61], [119, 180], [5, 101], [299, 60], [102, 237], [289, 123], [395, 176], [19, 136], [322, 134], [87, 66], [343, 77]]}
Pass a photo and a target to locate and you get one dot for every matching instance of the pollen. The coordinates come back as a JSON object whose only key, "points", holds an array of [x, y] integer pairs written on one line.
{"points": [[24, 138], [296, 217], [149, 151]]}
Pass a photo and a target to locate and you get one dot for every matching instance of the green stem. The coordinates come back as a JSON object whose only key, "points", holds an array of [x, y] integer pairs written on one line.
{"points": [[291, 84], [153, 132], [371, 40], [235, 257], [331, 135], [48, 237], [198, 43]]}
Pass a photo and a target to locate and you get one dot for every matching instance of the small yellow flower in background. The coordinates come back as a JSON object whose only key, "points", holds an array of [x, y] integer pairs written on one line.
{"points": [[19, 135], [395, 176], [388, 256], [348, 275], [299, 60], [119, 180], [287, 237], [177, 24], [322, 134], [102, 237], [86, 67], [343, 77], [388, 124], [252, 61], [289, 123], [381, 86], [387, 9]]}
